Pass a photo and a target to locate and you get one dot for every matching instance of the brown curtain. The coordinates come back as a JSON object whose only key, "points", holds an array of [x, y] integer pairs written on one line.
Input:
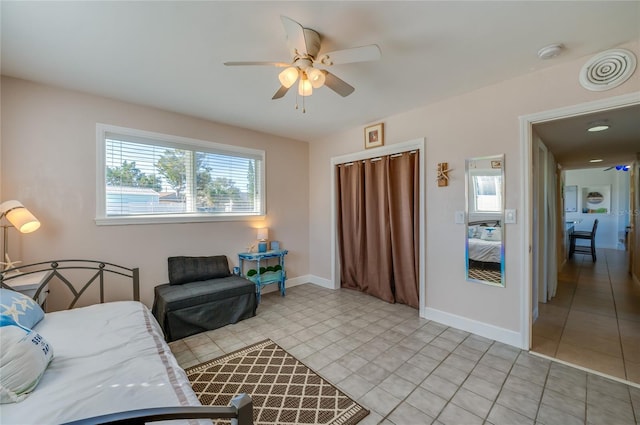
{"points": [[404, 215], [378, 227], [350, 180]]}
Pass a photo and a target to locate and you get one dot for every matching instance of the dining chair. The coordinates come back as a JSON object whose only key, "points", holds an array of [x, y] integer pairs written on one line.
{"points": [[584, 249]]}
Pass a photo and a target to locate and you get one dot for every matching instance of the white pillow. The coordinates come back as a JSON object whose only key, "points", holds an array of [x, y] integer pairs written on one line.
{"points": [[24, 357], [491, 234]]}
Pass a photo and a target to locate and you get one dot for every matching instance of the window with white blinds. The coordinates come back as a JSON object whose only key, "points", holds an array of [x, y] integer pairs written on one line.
{"points": [[149, 177]]}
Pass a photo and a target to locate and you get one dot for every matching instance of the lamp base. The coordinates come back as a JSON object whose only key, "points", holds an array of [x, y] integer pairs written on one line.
{"points": [[262, 246]]}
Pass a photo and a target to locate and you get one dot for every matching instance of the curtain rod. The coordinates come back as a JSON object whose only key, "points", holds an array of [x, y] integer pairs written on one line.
{"points": [[395, 155]]}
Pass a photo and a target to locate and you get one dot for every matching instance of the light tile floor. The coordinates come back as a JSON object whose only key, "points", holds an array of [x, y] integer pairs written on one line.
{"points": [[407, 370], [594, 320]]}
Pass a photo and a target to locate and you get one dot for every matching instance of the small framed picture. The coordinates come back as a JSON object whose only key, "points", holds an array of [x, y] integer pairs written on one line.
{"points": [[275, 245], [374, 136]]}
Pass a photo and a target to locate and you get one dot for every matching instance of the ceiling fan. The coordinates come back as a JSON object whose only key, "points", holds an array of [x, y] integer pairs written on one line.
{"points": [[618, 168], [304, 47]]}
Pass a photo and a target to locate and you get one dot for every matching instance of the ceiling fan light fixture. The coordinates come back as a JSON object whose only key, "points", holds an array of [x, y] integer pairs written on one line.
{"points": [[316, 77], [304, 86], [288, 77]]}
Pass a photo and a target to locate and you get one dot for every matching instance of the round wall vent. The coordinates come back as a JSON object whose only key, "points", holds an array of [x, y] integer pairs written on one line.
{"points": [[607, 70]]}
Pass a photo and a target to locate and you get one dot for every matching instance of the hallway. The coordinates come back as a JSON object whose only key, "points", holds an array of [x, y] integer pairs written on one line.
{"points": [[594, 320]]}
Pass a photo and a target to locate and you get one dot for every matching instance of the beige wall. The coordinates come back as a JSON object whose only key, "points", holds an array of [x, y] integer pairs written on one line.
{"points": [[49, 164], [480, 123]]}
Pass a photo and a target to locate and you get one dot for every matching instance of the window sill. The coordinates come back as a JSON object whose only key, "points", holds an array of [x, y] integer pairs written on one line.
{"points": [[168, 219]]}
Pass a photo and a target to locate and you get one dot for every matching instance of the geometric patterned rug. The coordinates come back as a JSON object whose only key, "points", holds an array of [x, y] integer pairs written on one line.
{"points": [[283, 390], [487, 275]]}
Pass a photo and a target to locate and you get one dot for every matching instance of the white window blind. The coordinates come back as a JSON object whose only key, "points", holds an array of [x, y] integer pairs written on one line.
{"points": [[147, 175]]}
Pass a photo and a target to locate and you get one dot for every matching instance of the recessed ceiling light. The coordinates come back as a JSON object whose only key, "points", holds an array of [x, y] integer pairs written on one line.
{"points": [[551, 51], [596, 160], [598, 126]]}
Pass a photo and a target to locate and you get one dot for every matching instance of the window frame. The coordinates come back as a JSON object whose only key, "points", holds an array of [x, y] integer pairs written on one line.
{"points": [[166, 140]]}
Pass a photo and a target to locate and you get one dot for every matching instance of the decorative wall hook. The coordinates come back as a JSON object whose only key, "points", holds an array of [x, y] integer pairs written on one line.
{"points": [[443, 174]]}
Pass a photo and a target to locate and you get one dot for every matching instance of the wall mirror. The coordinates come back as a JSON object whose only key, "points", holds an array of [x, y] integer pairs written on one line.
{"points": [[485, 220]]}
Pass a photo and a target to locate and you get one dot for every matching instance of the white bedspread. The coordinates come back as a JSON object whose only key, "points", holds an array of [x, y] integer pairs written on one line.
{"points": [[107, 358], [487, 251]]}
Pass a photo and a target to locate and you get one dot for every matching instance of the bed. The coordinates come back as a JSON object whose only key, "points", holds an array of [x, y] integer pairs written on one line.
{"points": [[484, 241], [108, 359]]}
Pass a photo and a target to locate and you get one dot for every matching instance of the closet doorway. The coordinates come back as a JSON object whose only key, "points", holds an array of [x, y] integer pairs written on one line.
{"points": [[378, 223]]}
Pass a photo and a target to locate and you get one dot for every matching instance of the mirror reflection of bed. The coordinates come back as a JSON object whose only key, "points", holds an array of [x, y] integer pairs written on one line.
{"points": [[485, 251]]}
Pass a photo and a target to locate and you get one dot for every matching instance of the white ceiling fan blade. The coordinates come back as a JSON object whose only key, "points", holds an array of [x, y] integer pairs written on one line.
{"points": [[281, 92], [295, 36], [337, 85], [252, 63], [355, 54]]}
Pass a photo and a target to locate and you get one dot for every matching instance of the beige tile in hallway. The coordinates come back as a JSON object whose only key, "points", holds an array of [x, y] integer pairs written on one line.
{"points": [[594, 320], [411, 371]]}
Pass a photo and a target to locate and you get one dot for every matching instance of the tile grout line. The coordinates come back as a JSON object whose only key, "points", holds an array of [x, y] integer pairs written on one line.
{"points": [[544, 388], [615, 309], [495, 401], [566, 319], [624, 363], [462, 383], [425, 378], [439, 364]]}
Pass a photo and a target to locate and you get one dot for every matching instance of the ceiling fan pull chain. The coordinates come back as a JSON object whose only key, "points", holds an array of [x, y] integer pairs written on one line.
{"points": [[304, 111]]}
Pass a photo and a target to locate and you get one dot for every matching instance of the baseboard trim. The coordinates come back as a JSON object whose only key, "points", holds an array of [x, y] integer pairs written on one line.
{"points": [[479, 328], [300, 280], [320, 281]]}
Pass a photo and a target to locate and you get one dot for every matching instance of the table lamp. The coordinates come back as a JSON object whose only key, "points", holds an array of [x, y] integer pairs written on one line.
{"points": [[263, 235], [20, 218]]}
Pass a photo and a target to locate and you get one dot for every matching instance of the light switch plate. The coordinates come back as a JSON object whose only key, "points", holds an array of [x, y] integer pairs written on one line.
{"points": [[459, 217], [510, 216]]}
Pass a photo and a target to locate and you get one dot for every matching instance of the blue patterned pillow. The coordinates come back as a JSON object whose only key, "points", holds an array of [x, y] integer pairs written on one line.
{"points": [[21, 308]]}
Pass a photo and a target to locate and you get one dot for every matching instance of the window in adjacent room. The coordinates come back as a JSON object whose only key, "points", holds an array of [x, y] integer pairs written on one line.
{"points": [[154, 178]]}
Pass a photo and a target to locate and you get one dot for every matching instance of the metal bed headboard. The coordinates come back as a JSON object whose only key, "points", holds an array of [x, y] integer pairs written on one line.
{"points": [[61, 269]]}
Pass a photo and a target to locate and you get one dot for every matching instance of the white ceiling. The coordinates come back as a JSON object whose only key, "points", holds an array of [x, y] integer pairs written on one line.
{"points": [[573, 146], [170, 54]]}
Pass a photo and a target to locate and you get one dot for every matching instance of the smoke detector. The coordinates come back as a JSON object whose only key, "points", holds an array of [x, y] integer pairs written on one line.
{"points": [[550, 51]]}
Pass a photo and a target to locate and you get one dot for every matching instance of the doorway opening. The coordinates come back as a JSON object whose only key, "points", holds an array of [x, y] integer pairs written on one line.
{"points": [[568, 311]]}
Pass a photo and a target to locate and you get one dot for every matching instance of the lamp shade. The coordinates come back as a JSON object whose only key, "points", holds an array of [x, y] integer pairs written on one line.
{"points": [[288, 77], [316, 77], [20, 217], [304, 87], [263, 234]]}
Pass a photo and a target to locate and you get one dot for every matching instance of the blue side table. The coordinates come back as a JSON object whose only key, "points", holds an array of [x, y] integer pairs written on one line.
{"points": [[266, 278]]}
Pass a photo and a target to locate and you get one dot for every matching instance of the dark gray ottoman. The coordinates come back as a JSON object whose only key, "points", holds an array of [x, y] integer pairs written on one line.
{"points": [[188, 308]]}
